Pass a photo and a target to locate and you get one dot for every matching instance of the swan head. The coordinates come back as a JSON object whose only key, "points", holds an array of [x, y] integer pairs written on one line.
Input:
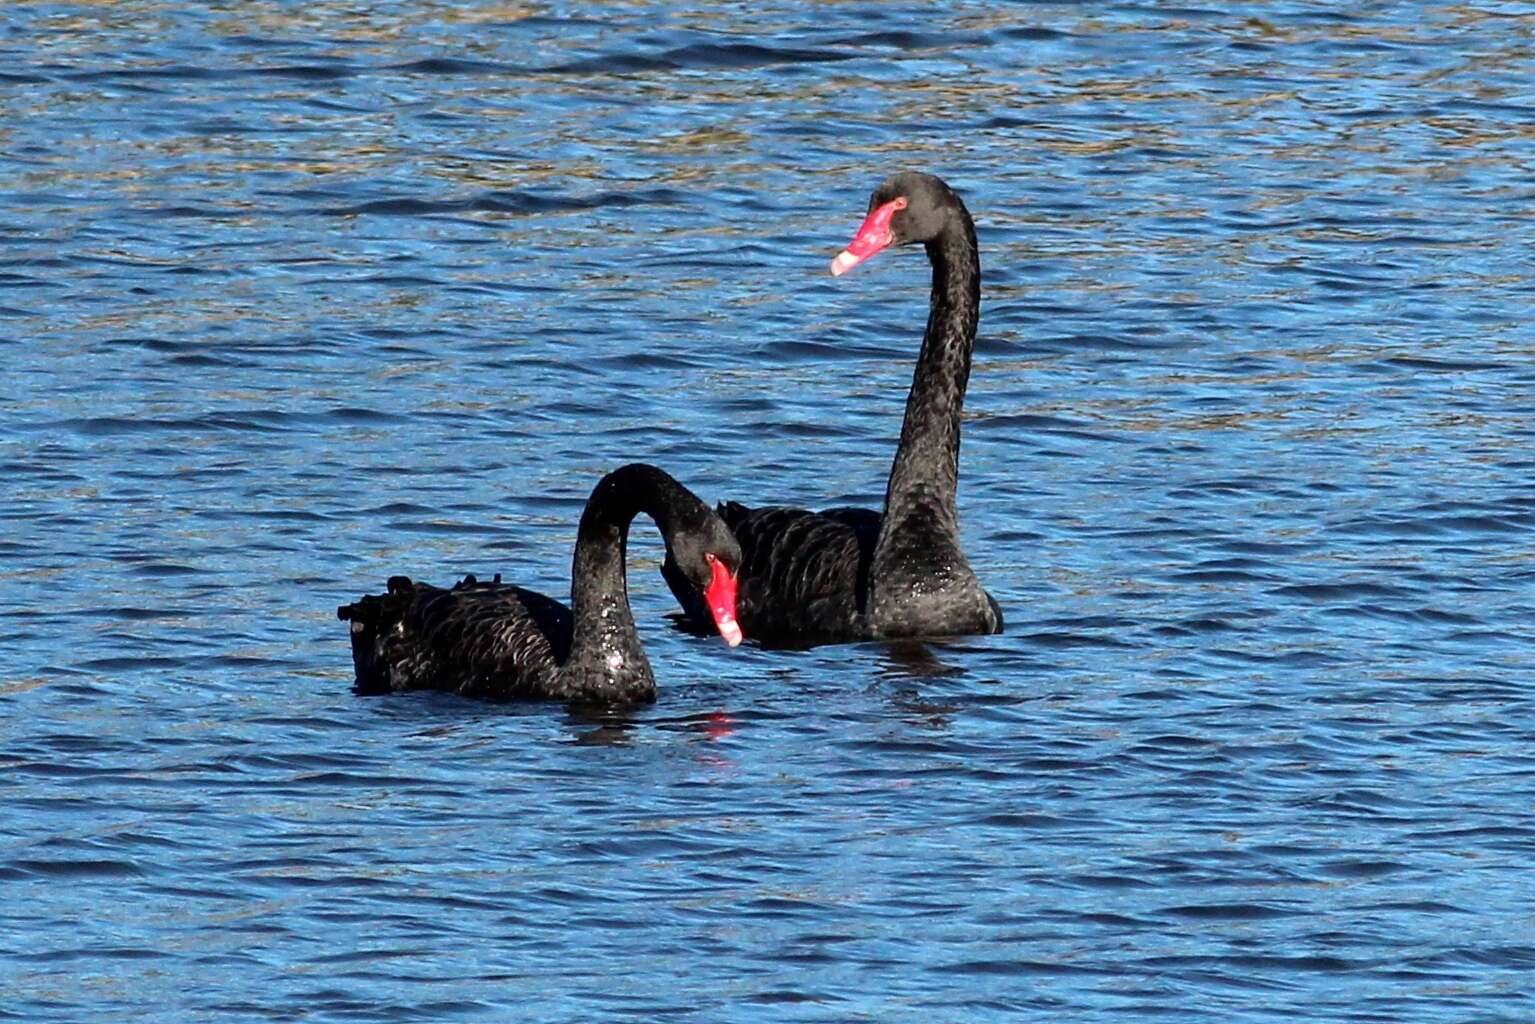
{"points": [[707, 554], [906, 208]]}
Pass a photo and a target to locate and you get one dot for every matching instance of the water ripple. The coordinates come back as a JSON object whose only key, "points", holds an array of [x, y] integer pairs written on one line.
{"points": [[302, 296]]}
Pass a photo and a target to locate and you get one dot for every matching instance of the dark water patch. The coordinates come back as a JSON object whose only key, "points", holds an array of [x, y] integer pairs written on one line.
{"points": [[64, 844], [454, 66], [1444, 365], [799, 350], [1176, 743], [392, 280], [1364, 868], [1420, 524], [1025, 968], [1224, 576], [1340, 592], [1504, 956], [74, 869], [109, 953], [653, 361], [1357, 801], [1479, 832], [107, 426], [1228, 487], [202, 360], [1057, 426], [192, 211], [397, 508], [26, 281], [1491, 638], [1230, 912], [131, 664], [1313, 964], [443, 527], [1110, 882], [1103, 343], [1424, 616], [132, 613], [906, 40], [1027, 822], [1036, 33], [160, 569], [1290, 659], [792, 996], [702, 57], [131, 75], [286, 515], [309, 72], [502, 201], [1071, 638], [246, 661]]}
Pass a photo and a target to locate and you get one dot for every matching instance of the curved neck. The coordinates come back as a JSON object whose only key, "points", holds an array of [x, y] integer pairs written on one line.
{"points": [[924, 477], [605, 651]]}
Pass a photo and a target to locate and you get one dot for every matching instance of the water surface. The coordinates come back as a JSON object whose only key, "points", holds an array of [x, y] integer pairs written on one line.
{"points": [[296, 296]]}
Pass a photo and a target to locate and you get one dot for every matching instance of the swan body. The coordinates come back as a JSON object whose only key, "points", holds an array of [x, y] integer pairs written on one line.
{"points": [[497, 641], [849, 574]]}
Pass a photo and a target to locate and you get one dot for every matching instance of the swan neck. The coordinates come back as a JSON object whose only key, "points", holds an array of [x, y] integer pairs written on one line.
{"points": [[925, 473], [604, 643]]}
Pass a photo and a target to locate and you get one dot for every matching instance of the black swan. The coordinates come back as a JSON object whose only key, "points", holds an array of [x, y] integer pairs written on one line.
{"points": [[850, 574], [497, 641]]}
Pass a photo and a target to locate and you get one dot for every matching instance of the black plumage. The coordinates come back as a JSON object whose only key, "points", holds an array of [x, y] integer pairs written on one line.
{"points": [[849, 574], [497, 641]]}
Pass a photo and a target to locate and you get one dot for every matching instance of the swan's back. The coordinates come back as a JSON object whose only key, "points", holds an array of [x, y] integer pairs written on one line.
{"points": [[805, 575], [479, 639]]}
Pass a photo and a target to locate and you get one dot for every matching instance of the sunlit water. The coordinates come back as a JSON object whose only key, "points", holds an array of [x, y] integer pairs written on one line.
{"points": [[294, 296]]}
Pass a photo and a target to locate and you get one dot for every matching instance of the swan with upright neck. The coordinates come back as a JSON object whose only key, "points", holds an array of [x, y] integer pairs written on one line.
{"points": [[497, 641], [848, 574]]}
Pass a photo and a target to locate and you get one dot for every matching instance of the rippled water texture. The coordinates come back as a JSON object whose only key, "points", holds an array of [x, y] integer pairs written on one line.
{"points": [[297, 295]]}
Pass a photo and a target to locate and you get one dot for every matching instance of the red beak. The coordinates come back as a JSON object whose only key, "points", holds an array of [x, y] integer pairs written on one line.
{"points": [[721, 596], [873, 235]]}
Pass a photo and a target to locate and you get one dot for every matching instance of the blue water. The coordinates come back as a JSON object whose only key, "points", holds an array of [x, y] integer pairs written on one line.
{"points": [[294, 296]]}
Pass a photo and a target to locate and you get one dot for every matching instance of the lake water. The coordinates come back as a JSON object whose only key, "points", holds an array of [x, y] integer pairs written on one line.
{"points": [[294, 296]]}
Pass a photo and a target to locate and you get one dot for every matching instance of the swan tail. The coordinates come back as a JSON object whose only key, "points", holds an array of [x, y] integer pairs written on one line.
{"points": [[380, 635]]}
